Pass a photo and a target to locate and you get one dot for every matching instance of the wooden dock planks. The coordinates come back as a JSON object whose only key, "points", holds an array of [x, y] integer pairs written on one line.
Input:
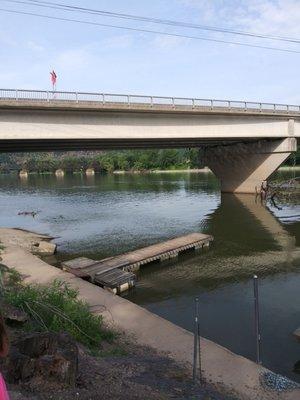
{"points": [[116, 272]]}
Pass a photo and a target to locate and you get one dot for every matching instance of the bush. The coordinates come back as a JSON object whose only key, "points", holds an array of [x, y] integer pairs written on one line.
{"points": [[107, 161], [57, 308]]}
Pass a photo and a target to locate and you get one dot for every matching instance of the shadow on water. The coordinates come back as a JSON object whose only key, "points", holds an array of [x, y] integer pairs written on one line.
{"points": [[249, 240]]}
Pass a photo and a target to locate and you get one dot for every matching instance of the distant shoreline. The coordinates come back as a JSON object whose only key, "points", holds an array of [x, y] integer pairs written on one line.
{"points": [[161, 171], [118, 172], [146, 171], [289, 167]]}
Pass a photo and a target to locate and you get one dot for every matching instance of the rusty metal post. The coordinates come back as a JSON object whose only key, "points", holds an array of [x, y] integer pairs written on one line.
{"points": [[257, 320], [197, 345]]}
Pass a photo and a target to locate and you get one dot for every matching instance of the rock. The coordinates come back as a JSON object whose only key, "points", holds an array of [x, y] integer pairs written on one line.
{"points": [[23, 173], [43, 248], [51, 358], [90, 172], [60, 172], [13, 314], [297, 333]]}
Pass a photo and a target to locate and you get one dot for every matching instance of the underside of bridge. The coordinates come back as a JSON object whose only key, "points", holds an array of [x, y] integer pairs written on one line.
{"points": [[36, 145]]}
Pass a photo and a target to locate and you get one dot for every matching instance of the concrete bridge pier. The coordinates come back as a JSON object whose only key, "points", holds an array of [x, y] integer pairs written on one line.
{"points": [[242, 167]]}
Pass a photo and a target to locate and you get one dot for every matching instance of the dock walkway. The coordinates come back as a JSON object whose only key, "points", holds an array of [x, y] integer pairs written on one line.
{"points": [[117, 272]]}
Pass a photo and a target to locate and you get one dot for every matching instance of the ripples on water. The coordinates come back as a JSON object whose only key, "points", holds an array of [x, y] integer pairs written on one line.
{"points": [[106, 215]]}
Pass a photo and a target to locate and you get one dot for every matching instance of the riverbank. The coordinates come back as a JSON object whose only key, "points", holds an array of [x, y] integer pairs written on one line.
{"points": [[222, 368], [117, 172], [284, 168], [116, 369], [165, 171], [121, 369]]}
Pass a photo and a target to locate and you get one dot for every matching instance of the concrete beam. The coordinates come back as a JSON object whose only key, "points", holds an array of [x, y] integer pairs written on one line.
{"points": [[155, 126], [242, 167]]}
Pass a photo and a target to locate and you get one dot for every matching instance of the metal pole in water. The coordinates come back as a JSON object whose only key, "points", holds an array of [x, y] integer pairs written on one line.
{"points": [[257, 321], [196, 338], [199, 343]]}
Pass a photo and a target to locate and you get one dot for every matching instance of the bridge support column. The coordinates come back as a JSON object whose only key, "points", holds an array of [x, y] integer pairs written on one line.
{"points": [[242, 167]]}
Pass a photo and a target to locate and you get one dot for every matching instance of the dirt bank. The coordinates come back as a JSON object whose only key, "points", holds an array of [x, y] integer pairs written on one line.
{"points": [[122, 371]]}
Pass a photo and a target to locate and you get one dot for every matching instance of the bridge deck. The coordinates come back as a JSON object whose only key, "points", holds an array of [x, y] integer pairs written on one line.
{"points": [[105, 272], [65, 105], [45, 99]]}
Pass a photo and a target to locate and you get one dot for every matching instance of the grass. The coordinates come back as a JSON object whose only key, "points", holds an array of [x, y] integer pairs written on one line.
{"points": [[56, 308]]}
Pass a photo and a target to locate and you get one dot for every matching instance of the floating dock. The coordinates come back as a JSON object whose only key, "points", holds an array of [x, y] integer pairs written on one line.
{"points": [[116, 273]]}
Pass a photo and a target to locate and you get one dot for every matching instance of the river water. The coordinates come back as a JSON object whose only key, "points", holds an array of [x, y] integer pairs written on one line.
{"points": [[109, 214]]}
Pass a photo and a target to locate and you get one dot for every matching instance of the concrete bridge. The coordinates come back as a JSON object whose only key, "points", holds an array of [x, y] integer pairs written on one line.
{"points": [[242, 142]]}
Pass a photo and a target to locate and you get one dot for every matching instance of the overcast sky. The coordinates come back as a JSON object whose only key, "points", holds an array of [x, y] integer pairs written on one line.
{"points": [[90, 58]]}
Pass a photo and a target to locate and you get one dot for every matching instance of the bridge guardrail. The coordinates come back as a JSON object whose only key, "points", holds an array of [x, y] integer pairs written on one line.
{"points": [[140, 100]]}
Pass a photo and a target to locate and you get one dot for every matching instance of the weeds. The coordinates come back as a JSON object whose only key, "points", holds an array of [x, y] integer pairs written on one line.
{"points": [[57, 308]]}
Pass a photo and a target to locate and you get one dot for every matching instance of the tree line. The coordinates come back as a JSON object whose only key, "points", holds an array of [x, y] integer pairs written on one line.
{"points": [[108, 161]]}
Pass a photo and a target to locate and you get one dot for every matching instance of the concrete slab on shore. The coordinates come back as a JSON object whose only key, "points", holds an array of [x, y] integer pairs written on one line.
{"points": [[224, 369]]}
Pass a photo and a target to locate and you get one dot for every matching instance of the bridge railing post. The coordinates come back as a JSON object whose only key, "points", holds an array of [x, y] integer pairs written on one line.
{"points": [[76, 96], [151, 101], [246, 106], [173, 102], [16, 94], [48, 97], [128, 101], [103, 98], [212, 104]]}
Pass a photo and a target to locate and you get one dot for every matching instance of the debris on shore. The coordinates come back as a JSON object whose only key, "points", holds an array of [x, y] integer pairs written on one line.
{"points": [[278, 382], [26, 213], [43, 248]]}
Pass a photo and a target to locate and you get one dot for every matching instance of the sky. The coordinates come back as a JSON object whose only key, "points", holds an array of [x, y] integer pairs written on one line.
{"points": [[111, 60]]}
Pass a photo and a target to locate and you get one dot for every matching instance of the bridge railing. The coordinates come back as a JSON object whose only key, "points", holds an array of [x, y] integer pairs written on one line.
{"points": [[139, 100]]}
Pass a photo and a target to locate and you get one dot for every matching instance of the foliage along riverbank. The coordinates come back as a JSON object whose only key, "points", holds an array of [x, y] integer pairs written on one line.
{"points": [[109, 161], [125, 160]]}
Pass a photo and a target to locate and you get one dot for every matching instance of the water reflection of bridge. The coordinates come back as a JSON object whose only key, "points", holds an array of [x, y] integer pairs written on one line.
{"points": [[249, 240]]}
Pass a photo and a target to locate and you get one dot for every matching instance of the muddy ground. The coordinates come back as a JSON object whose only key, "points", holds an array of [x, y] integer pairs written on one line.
{"points": [[120, 371]]}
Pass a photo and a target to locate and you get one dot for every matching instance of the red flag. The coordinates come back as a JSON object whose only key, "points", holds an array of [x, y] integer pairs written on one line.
{"points": [[53, 77]]}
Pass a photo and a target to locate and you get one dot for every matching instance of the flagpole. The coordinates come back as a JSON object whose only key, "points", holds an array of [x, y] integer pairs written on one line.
{"points": [[53, 80]]}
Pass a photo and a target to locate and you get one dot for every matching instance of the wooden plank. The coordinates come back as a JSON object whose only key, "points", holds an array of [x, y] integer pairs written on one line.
{"points": [[114, 278], [100, 266], [78, 263]]}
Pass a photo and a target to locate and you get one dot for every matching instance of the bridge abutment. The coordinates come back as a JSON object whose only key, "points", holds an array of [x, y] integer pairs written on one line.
{"points": [[242, 167]]}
